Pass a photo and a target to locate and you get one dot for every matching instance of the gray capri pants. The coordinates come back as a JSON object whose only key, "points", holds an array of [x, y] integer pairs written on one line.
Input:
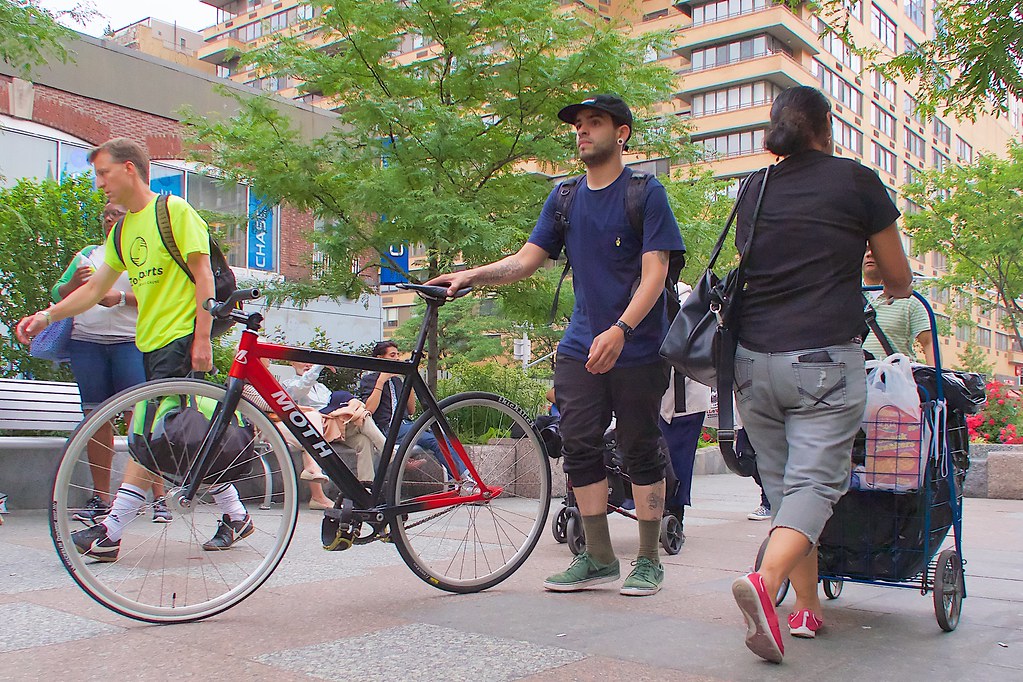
{"points": [[801, 410]]}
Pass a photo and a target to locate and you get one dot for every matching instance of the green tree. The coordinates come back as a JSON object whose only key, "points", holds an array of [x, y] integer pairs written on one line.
{"points": [[31, 34], [469, 329], [974, 215], [973, 359], [42, 225], [972, 63], [433, 152]]}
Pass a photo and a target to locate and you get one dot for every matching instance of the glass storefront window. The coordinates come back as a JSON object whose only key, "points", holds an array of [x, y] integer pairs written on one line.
{"points": [[26, 156]]}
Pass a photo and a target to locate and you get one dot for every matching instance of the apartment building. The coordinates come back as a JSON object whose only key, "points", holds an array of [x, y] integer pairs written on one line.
{"points": [[732, 57], [165, 40]]}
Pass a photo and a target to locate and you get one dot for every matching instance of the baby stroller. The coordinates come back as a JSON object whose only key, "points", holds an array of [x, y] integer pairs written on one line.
{"points": [[567, 526]]}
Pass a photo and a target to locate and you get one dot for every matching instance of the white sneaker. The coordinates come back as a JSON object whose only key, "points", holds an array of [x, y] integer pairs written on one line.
{"points": [[467, 486]]}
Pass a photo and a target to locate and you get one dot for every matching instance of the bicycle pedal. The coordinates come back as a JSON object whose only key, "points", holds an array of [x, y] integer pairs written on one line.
{"points": [[336, 536]]}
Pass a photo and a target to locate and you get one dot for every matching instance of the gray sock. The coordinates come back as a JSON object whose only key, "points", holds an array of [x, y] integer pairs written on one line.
{"points": [[649, 537]]}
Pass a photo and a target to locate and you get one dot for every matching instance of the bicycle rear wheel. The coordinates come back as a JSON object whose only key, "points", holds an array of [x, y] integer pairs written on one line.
{"points": [[472, 546], [160, 573]]}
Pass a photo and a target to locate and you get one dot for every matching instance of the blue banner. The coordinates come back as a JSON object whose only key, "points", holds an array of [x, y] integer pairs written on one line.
{"points": [[261, 234], [399, 254], [169, 184]]}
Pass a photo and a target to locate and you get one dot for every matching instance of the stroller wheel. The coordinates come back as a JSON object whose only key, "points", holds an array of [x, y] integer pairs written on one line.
{"points": [[832, 588], [574, 533], [559, 525], [672, 537], [948, 589], [784, 589]]}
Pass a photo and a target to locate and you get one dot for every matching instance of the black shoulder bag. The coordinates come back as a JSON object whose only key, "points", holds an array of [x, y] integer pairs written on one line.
{"points": [[701, 342]]}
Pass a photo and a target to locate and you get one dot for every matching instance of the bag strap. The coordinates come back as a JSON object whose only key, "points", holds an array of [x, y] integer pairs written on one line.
{"points": [[728, 340], [566, 190], [870, 315], [118, 229], [163, 222]]}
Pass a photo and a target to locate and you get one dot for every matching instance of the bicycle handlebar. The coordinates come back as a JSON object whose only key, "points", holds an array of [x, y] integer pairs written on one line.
{"points": [[223, 310]]}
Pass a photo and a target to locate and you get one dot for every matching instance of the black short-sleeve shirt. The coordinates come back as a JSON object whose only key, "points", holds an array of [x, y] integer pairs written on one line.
{"points": [[803, 272]]}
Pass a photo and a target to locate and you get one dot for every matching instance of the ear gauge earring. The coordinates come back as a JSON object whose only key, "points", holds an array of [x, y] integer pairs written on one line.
{"points": [[620, 141]]}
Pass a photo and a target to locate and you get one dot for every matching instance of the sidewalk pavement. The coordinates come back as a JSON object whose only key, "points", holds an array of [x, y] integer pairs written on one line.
{"points": [[363, 615]]}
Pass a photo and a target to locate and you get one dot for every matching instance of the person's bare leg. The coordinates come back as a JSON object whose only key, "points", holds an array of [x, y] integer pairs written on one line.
{"points": [[788, 549], [649, 501], [804, 582], [100, 451], [317, 495]]}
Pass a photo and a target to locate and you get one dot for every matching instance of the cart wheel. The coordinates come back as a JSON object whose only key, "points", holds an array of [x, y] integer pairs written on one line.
{"points": [[574, 532], [784, 589], [832, 588], [672, 537], [948, 589], [559, 525]]}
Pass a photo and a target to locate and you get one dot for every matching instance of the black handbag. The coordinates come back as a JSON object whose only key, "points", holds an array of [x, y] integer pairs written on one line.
{"points": [[701, 342], [695, 344]]}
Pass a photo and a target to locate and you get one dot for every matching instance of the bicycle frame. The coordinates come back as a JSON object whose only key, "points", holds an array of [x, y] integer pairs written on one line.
{"points": [[248, 368]]}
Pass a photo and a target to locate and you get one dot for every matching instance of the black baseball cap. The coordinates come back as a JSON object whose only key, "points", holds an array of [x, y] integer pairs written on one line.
{"points": [[615, 106]]}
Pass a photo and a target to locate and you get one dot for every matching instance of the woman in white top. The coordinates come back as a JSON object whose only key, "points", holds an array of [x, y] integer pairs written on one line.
{"points": [[105, 361]]}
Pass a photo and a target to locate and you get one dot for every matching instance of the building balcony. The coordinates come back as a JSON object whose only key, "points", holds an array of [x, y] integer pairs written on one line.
{"points": [[220, 50], [777, 67], [777, 21], [739, 164], [219, 4], [732, 119]]}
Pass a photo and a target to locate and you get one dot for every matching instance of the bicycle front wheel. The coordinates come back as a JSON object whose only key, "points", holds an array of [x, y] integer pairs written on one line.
{"points": [[160, 571], [471, 546]]}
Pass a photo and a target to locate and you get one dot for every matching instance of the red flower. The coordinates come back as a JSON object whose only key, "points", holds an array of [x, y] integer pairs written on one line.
{"points": [[1001, 402]]}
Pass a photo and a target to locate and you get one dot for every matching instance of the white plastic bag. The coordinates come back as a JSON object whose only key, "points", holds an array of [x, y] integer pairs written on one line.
{"points": [[890, 382]]}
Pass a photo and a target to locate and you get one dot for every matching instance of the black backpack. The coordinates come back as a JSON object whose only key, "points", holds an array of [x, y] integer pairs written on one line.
{"points": [[635, 204], [224, 281]]}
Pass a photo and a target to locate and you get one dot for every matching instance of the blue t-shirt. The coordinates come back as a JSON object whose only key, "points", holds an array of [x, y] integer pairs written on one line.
{"points": [[606, 256]]}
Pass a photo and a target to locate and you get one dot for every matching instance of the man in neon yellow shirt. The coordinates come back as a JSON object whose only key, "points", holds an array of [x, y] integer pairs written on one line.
{"points": [[173, 329]]}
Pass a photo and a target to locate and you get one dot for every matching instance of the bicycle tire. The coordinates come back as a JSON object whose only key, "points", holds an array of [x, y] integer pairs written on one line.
{"points": [[160, 573], [471, 547]]}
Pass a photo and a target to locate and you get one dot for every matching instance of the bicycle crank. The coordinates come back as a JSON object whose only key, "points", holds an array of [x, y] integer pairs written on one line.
{"points": [[337, 532]]}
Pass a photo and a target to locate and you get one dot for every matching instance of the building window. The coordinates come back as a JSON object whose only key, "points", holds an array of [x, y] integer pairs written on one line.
{"points": [[250, 32], [962, 333], [882, 158], [1001, 342], [738, 97], [917, 13], [847, 136], [983, 337], [737, 51], [938, 260], [390, 318], [735, 144], [915, 144], [942, 132], [725, 9], [939, 295], [964, 150], [940, 160], [854, 8], [909, 108], [884, 86], [882, 120], [836, 48], [908, 44], [883, 27], [909, 173], [838, 87]]}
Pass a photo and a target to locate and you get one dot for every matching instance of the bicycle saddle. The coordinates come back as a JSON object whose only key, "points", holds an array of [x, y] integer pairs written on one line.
{"points": [[434, 293]]}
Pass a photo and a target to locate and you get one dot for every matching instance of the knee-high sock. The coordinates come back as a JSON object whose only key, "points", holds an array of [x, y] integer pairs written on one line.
{"points": [[226, 497], [127, 502]]}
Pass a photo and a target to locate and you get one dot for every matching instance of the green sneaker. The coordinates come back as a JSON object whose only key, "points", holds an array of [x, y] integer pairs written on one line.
{"points": [[645, 579], [584, 572]]}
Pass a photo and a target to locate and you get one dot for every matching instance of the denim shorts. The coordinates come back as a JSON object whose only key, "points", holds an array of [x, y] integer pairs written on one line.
{"points": [[103, 369]]}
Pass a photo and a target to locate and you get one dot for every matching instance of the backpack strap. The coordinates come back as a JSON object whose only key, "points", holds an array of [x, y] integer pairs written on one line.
{"points": [[635, 201], [163, 222], [566, 191], [118, 229]]}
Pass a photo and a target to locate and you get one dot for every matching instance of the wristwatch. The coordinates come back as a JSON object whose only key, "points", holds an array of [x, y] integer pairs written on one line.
{"points": [[625, 328], [124, 300]]}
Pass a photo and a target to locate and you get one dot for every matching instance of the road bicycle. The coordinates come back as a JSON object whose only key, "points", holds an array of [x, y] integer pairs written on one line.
{"points": [[463, 521]]}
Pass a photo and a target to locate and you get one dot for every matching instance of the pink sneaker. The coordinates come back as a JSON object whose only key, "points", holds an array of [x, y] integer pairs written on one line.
{"points": [[763, 635], [805, 624]]}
